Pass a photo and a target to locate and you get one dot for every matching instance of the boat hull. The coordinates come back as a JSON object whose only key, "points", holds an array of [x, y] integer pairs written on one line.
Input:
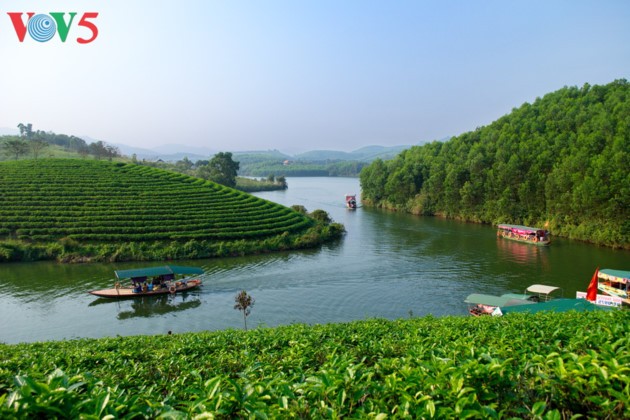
{"points": [[526, 241], [129, 293]]}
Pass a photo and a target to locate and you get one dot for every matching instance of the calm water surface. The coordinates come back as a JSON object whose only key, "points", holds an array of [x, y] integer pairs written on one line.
{"points": [[388, 265]]}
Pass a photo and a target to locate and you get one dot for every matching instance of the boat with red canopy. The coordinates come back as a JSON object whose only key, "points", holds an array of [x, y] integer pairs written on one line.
{"points": [[526, 234], [351, 201], [151, 281]]}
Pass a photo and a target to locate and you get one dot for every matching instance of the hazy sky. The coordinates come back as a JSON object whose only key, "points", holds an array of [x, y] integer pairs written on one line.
{"points": [[301, 75]]}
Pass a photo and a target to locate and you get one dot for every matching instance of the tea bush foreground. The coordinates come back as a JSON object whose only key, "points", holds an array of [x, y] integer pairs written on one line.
{"points": [[550, 366]]}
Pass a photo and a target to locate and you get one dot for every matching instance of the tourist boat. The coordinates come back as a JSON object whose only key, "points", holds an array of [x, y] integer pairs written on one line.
{"points": [[351, 201], [480, 304], [614, 284], [524, 234], [152, 281]]}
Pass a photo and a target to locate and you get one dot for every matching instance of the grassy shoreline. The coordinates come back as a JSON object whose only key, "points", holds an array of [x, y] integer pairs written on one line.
{"points": [[526, 366], [68, 251]]}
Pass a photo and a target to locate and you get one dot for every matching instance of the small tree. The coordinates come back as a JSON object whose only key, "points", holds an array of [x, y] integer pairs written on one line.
{"points": [[16, 147], [244, 303], [37, 145]]}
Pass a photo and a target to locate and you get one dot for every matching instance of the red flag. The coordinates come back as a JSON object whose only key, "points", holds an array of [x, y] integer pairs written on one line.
{"points": [[591, 292]]}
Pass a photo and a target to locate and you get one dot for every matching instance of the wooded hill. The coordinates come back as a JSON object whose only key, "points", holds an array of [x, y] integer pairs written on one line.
{"points": [[73, 209], [559, 163]]}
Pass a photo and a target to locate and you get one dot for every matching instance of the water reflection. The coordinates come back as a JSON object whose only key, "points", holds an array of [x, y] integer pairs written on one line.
{"points": [[521, 253], [147, 307]]}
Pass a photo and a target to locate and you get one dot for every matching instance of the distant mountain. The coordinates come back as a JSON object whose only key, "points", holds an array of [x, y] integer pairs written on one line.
{"points": [[172, 149], [319, 155], [168, 154], [364, 154], [369, 153]]}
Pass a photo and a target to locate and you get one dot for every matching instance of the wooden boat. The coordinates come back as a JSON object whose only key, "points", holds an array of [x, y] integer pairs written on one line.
{"points": [[152, 281], [480, 304], [351, 201], [524, 234]]}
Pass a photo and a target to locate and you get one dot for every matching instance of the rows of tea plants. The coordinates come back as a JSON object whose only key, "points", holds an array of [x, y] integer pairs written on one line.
{"points": [[544, 366], [94, 201]]}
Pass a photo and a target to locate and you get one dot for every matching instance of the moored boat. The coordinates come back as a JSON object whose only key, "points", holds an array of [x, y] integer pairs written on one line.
{"points": [[480, 304], [614, 284], [525, 234], [152, 281], [351, 201]]}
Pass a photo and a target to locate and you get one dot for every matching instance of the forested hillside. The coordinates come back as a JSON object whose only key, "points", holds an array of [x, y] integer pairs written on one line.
{"points": [[561, 162]]}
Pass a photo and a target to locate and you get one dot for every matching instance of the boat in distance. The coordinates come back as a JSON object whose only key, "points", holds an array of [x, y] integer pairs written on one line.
{"points": [[525, 234], [151, 281], [351, 201]]}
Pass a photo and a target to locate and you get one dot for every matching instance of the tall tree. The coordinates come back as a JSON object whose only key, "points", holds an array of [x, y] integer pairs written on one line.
{"points": [[221, 169]]}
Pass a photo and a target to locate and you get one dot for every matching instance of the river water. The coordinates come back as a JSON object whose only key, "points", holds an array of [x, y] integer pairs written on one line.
{"points": [[388, 265]]}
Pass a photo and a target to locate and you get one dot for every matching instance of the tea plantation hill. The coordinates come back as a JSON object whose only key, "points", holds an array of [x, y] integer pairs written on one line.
{"points": [[88, 210]]}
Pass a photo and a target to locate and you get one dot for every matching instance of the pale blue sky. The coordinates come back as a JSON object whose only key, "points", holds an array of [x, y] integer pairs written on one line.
{"points": [[302, 75]]}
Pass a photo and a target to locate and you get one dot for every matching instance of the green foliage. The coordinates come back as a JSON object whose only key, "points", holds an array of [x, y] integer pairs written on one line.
{"points": [[76, 210], [244, 303], [254, 185], [15, 147], [559, 163], [321, 216], [298, 168], [520, 366], [221, 169]]}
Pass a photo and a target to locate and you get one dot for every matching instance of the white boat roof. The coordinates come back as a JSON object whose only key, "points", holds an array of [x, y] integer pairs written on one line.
{"points": [[541, 288]]}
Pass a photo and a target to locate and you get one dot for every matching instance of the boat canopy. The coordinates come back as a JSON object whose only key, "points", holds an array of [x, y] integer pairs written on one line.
{"points": [[556, 305], [619, 276], [521, 230], [541, 289], [490, 300], [157, 271]]}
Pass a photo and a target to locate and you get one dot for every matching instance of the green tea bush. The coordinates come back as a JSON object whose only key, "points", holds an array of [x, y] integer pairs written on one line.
{"points": [[77, 209], [550, 366]]}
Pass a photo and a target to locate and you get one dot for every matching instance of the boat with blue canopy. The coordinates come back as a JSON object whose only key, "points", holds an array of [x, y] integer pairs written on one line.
{"points": [[151, 281], [481, 304]]}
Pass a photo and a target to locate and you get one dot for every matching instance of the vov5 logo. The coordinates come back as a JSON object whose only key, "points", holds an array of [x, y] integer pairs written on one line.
{"points": [[43, 27]]}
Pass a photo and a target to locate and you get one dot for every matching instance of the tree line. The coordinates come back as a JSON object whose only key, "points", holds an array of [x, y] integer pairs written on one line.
{"points": [[560, 163], [222, 169], [303, 168], [34, 142]]}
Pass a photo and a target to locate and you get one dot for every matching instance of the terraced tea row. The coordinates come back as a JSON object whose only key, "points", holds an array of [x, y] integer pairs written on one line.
{"points": [[95, 201]]}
